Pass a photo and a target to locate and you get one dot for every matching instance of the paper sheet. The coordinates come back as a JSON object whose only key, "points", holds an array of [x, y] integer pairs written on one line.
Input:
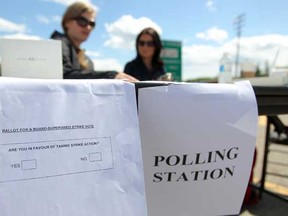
{"points": [[70, 148], [198, 142]]}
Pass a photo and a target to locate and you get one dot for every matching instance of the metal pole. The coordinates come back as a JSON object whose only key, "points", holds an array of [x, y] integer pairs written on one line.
{"points": [[239, 20]]}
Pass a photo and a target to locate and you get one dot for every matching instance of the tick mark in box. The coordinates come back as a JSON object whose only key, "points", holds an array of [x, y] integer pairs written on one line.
{"points": [[96, 156], [29, 164]]}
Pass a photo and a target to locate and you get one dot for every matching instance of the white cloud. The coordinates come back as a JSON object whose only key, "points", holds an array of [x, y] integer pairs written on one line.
{"points": [[8, 26], [210, 4], [22, 36], [68, 2], [203, 60], [266, 47], [200, 61], [47, 20], [43, 19], [107, 64], [213, 34], [92, 54], [122, 33]]}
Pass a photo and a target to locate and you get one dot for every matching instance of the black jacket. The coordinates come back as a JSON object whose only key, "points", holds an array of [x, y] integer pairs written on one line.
{"points": [[137, 69], [71, 66]]}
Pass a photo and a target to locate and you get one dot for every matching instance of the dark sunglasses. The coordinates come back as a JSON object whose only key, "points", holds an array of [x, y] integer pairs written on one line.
{"points": [[83, 22], [147, 43]]}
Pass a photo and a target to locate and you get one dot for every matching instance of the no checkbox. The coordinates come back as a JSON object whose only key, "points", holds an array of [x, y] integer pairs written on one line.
{"points": [[96, 156]]}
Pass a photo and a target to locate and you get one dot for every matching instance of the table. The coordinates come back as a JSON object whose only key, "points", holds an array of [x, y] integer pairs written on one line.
{"points": [[271, 100]]}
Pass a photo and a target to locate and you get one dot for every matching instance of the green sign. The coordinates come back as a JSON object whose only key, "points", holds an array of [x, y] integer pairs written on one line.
{"points": [[171, 55]]}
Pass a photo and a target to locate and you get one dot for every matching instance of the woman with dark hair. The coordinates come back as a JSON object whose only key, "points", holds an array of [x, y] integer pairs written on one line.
{"points": [[147, 65], [78, 22]]}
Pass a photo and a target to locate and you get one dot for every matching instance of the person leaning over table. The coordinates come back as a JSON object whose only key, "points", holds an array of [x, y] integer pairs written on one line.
{"points": [[147, 65], [77, 22]]}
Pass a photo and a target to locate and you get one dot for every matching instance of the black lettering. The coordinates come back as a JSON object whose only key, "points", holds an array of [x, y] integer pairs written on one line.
{"points": [[12, 149], [216, 174], [157, 177], [205, 174], [230, 171], [231, 155], [184, 161], [169, 175], [198, 156], [196, 174], [209, 157], [171, 162], [219, 154], [158, 159], [182, 177]]}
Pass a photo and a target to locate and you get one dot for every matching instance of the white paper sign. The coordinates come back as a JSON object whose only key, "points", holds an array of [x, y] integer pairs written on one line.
{"points": [[70, 148], [198, 143]]}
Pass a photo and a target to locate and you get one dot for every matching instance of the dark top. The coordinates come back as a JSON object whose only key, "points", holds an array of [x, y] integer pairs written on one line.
{"points": [[137, 69], [71, 66]]}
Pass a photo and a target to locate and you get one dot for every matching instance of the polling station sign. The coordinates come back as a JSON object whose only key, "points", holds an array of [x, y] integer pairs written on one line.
{"points": [[198, 142]]}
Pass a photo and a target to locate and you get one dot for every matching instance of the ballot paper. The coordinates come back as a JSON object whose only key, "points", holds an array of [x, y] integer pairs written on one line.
{"points": [[198, 142], [70, 147]]}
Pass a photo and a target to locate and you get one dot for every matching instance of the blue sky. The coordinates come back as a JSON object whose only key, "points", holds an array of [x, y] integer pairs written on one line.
{"points": [[205, 27]]}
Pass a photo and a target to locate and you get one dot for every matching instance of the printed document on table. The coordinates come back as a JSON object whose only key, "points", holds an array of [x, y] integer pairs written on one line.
{"points": [[70, 147], [198, 142]]}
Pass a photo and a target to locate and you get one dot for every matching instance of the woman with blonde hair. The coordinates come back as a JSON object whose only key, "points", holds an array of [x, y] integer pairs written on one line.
{"points": [[78, 22]]}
